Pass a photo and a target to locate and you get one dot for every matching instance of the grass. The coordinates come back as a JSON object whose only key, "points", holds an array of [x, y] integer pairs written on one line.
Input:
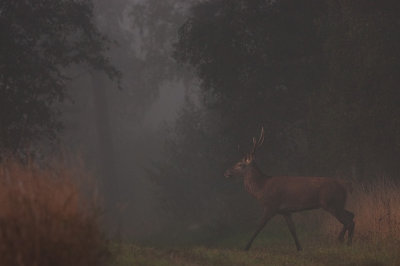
{"points": [[274, 246], [376, 206], [276, 254], [44, 218]]}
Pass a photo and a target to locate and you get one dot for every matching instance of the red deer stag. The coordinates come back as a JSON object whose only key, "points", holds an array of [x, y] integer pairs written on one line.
{"points": [[286, 194]]}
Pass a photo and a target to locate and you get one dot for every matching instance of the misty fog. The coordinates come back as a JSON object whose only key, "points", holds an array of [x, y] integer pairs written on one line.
{"points": [[159, 98], [138, 112]]}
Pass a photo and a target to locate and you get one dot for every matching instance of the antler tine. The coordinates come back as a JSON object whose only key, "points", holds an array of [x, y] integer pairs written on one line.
{"points": [[259, 142], [253, 150], [261, 139]]}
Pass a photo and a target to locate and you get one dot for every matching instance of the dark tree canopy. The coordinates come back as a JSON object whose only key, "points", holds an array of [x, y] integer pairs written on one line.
{"points": [[259, 61], [39, 40], [319, 70]]}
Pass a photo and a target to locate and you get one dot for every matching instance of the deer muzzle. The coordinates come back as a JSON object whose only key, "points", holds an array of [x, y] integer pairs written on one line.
{"points": [[228, 174]]}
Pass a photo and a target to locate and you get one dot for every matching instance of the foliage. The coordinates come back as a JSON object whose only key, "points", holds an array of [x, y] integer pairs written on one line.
{"points": [[355, 113], [39, 41], [319, 77], [144, 32], [155, 24]]}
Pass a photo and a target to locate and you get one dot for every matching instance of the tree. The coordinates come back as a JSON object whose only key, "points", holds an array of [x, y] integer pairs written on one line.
{"points": [[315, 74], [259, 62], [354, 111], [39, 42]]}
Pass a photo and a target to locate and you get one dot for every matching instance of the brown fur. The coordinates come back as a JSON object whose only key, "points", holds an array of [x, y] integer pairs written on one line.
{"points": [[287, 194]]}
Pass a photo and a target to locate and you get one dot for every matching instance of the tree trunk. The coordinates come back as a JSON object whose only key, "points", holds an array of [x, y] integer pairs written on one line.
{"points": [[106, 153]]}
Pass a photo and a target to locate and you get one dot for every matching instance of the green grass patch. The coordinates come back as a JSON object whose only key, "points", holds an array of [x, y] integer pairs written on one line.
{"points": [[359, 254], [274, 246]]}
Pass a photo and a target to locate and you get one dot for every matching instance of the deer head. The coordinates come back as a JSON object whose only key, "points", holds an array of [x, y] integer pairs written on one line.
{"points": [[242, 166]]}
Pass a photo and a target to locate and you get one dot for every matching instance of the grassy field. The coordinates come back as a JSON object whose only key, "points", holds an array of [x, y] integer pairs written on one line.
{"points": [[271, 254], [274, 246]]}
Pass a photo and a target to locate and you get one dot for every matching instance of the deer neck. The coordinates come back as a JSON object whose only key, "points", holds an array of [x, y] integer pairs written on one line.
{"points": [[254, 181]]}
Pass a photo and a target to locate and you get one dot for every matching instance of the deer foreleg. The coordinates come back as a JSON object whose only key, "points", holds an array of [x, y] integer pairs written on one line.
{"points": [[266, 218], [292, 229]]}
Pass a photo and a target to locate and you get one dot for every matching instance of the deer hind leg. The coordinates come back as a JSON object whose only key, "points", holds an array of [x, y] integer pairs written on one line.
{"points": [[292, 229], [350, 227], [266, 218], [346, 218], [342, 233]]}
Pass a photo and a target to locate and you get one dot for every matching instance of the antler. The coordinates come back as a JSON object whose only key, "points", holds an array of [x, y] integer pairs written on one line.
{"points": [[259, 142]]}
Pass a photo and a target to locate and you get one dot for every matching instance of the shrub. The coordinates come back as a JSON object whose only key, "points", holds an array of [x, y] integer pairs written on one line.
{"points": [[45, 219]]}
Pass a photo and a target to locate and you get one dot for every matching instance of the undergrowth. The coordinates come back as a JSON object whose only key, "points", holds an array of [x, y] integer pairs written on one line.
{"points": [[45, 219]]}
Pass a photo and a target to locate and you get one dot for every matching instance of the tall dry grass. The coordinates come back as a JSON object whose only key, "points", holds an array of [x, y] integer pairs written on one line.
{"points": [[45, 219], [376, 206]]}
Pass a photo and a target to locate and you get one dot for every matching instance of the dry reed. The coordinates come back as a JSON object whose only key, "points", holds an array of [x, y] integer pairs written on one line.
{"points": [[376, 206], [44, 218]]}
